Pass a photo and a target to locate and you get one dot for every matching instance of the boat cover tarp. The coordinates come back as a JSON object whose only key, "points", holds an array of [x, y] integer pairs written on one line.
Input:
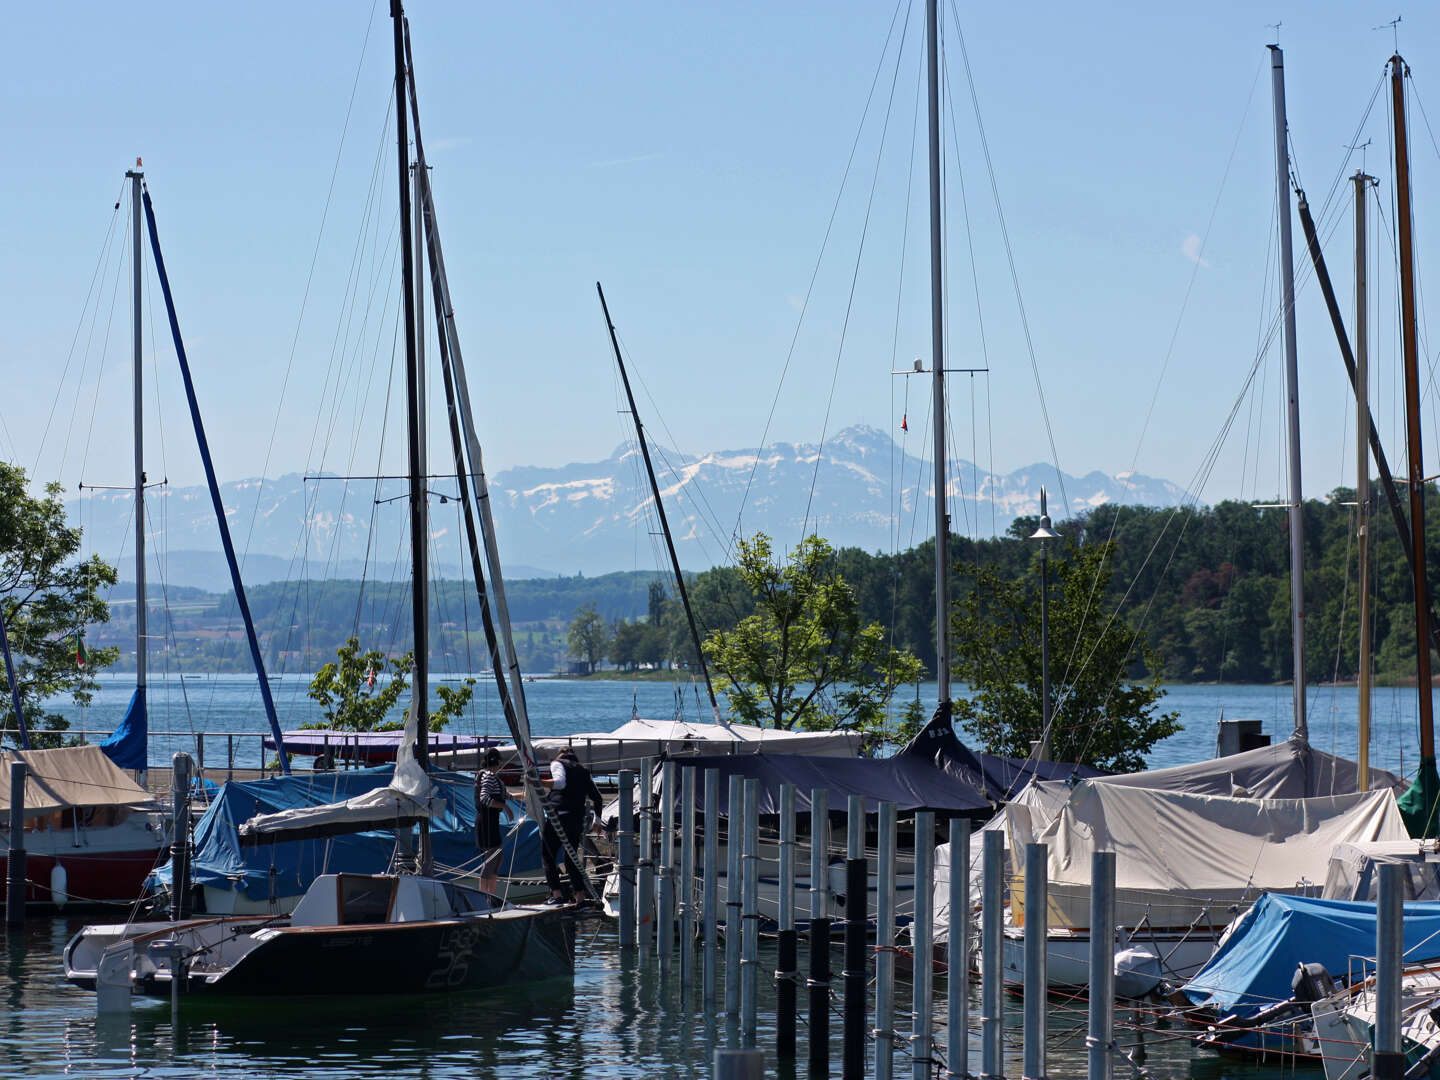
{"points": [[1421, 801], [998, 777], [1289, 770], [608, 752], [221, 862], [1351, 873], [70, 776], [128, 745], [1254, 966], [910, 783], [372, 746]]}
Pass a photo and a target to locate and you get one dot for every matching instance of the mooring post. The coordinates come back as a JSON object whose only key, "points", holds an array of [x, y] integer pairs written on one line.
{"points": [[1389, 1059], [819, 981], [686, 887], [1037, 902], [15, 867], [957, 950], [857, 974], [788, 959], [710, 883], [734, 845], [992, 930], [739, 1065], [645, 871], [885, 947], [921, 931], [180, 837], [750, 917], [626, 838], [665, 918], [1102, 965]]}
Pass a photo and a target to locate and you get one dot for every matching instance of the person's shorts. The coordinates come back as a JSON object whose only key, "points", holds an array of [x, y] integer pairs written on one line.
{"points": [[490, 862]]}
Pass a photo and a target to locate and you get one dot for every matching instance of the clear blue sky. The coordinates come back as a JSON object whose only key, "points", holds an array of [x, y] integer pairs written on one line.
{"points": [[688, 156]]}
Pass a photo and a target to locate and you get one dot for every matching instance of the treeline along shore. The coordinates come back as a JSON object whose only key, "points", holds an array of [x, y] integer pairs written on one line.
{"points": [[1207, 587]]}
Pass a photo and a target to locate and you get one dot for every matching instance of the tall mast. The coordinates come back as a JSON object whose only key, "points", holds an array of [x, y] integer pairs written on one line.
{"points": [[937, 362], [418, 529], [1362, 475], [137, 178], [659, 504], [1403, 225], [1292, 392]]}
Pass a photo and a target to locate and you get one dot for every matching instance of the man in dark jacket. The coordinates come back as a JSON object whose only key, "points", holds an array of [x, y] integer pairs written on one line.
{"points": [[570, 785]]}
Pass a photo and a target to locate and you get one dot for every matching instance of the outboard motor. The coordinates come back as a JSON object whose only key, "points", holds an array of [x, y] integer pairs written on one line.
{"points": [[1311, 982], [1137, 972]]}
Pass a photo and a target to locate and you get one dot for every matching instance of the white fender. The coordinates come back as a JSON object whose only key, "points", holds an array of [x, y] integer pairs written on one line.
{"points": [[59, 880]]}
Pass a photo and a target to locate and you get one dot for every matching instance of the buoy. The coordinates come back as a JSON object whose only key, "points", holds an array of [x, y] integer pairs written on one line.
{"points": [[58, 881]]}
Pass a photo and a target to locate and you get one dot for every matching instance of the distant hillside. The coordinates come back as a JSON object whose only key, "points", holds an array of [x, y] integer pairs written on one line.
{"points": [[594, 517]]}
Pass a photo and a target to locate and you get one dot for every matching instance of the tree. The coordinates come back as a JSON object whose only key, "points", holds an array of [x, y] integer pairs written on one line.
{"points": [[625, 645], [351, 701], [48, 598], [1102, 717], [588, 637], [805, 658]]}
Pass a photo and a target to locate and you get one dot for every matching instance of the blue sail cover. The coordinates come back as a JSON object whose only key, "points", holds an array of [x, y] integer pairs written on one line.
{"points": [[221, 862], [1253, 968], [128, 745]]}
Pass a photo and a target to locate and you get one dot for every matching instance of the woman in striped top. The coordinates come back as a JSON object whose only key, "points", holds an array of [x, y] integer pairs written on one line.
{"points": [[490, 796]]}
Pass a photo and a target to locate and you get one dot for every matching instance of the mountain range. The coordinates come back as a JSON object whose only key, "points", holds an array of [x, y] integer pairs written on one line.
{"points": [[594, 517]]}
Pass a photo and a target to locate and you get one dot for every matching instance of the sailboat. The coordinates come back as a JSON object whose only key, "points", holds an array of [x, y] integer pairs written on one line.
{"points": [[394, 933]]}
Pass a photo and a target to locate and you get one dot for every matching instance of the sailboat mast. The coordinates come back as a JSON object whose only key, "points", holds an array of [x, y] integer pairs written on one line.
{"points": [[1403, 227], [659, 504], [1362, 475], [937, 352], [137, 178], [1292, 392], [418, 592]]}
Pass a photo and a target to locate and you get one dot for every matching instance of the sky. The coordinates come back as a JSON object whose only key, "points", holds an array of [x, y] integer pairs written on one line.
{"points": [[690, 157]]}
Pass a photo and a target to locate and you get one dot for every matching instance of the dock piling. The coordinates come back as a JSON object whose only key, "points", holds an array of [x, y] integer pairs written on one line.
{"points": [[923, 1000], [665, 879], [788, 954], [1037, 871], [992, 929], [885, 947], [1102, 966], [856, 974], [180, 837], [957, 994], [625, 836], [709, 883], [819, 981], [686, 886], [1389, 1061], [734, 844], [645, 871], [750, 916], [739, 1065], [15, 867]]}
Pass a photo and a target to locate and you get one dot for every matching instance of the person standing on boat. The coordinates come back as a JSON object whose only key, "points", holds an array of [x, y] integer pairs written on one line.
{"points": [[570, 785], [490, 798]]}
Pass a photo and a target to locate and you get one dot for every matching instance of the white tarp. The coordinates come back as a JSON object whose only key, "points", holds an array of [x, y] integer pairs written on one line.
{"points": [[1351, 874], [1177, 854], [608, 752], [70, 776]]}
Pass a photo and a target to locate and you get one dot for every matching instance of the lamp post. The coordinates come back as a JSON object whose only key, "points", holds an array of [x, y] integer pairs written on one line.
{"points": [[1044, 534]]}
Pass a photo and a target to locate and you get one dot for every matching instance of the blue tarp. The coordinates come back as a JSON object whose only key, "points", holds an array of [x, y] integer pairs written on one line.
{"points": [[220, 861], [128, 745], [1257, 961]]}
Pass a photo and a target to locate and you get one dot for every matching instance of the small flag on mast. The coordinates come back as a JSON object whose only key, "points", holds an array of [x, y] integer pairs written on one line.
{"points": [[81, 656], [904, 422], [370, 677]]}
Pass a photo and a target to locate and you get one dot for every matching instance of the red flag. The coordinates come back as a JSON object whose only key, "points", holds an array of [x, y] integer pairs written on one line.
{"points": [[903, 425], [370, 677], [80, 654]]}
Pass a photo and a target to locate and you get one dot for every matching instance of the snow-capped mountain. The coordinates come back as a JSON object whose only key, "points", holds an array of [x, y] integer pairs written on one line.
{"points": [[593, 517]]}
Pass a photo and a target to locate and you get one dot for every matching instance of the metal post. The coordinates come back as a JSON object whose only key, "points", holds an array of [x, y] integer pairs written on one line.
{"points": [[750, 916], [1044, 754], [180, 836], [957, 998], [229, 757], [937, 358], [1389, 1063], [992, 931], [1036, 919], [788, 958], [884, 947], [734, 843], [711, 883], [665, 917], [1362, 481], [856, 975], [1102, 965], [15, 868], [626, 837], [686, 888], [137, 178], [645, 878], [921, 930], [739, 1065], [819, 981]]}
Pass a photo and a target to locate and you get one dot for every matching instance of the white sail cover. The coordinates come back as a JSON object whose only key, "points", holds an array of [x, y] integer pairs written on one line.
{"points": [[610, 751], [70, 776], [1179, 856], [1292, 769]]}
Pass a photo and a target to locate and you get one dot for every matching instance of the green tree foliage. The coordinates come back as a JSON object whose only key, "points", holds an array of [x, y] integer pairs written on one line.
{"points": [[347, 701], [805, 657], [49, 597], [1101, 717], [588, 637]]}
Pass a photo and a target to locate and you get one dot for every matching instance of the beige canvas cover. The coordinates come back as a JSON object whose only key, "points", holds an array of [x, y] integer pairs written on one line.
{"points": [[1182, 857], [68, 777]]}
